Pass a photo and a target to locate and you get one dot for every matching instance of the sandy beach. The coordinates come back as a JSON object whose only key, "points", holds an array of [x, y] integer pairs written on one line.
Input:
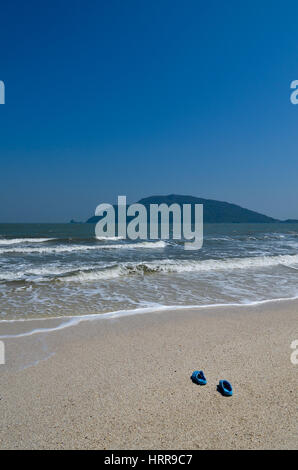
{"points": [[124, 383]]}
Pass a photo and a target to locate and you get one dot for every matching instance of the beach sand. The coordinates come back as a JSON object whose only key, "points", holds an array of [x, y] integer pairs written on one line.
{"points": [[125, 383]]}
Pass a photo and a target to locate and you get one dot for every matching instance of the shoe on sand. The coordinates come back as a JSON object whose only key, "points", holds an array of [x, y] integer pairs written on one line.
{"points": [[198, 377], [225, 388]]}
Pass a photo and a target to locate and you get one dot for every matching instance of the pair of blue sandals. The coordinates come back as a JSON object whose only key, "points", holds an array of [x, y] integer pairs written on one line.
{"points": [[224, 387]]}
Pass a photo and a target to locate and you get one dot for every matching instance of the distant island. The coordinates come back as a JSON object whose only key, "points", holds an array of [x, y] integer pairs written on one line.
{"points": [[214, 211], [75, 222]]}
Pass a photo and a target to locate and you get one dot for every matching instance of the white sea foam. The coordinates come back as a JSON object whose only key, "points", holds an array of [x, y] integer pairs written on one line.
{"points": [[39, 273], [76, 320], [181, 266], [73, 248], [109, 238], [96, 275], [110, 270], [15, 241]]}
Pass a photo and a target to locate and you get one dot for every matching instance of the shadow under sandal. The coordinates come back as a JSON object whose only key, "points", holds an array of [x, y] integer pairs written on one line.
{"points": [[198, 377], [225, 388]]}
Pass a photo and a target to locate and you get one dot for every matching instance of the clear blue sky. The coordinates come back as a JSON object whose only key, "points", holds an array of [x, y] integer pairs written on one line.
{"points": [[146, 97]]}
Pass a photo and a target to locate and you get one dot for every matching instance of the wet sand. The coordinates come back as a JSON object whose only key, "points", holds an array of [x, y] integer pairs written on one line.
{"points": [[124, 383]]}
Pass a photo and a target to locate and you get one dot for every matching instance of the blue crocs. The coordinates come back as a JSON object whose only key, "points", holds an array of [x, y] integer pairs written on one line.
{"points": [[198, 377], [225, 388]]}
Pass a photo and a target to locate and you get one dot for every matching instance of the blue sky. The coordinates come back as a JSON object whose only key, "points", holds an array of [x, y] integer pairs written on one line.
{"points": [[146, 97]]}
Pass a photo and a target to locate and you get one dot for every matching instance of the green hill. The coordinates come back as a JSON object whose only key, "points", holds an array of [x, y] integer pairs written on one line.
{"points": [[214, 211]]}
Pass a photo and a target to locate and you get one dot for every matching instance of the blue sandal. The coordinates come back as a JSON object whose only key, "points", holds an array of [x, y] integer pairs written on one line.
{"points": [[198, 377], [225, 388]]}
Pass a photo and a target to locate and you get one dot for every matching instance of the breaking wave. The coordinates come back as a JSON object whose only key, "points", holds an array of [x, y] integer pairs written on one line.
{"points": [[73, 248], [175, 266], [16, 241]]}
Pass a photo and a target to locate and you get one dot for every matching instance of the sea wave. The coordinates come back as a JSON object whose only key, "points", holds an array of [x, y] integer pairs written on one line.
{"points": [[41, 273], [15, 241], [109, 238], [179, 266], [73, 248], [110, 270]]}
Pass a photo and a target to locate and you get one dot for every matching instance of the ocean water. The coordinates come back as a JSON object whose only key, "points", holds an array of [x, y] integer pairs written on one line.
{"points": [[50, 270]]}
